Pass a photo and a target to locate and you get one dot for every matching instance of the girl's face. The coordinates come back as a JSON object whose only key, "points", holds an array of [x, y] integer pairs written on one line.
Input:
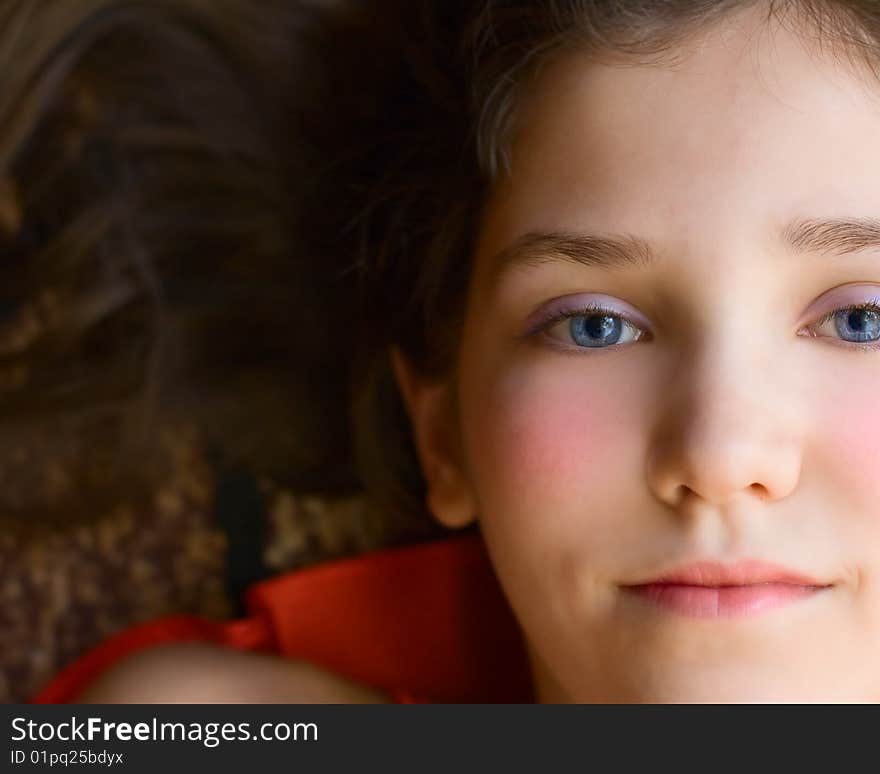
{"points": [[722, 408]]}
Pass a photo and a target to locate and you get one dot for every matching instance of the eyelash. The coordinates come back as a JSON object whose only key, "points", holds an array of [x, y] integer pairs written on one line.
{"points": [[587, 310], [595, 308]]}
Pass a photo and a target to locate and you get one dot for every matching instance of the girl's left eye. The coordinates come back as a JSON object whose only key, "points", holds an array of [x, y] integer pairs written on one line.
{"points": [[593, 328]]}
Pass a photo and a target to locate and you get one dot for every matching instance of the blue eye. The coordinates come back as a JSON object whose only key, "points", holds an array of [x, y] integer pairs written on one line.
{"points": [[858, 324], [593, 328]]}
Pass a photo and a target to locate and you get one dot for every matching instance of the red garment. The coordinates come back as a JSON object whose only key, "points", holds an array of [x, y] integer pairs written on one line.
{"points": [[427, 620]]}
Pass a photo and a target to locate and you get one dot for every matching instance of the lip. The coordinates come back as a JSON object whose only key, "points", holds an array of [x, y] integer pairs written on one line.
{"points": [[715, 590]]}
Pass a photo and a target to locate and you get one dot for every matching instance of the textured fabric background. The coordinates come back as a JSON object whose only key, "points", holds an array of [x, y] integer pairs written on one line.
{"points": [[64, 589]]}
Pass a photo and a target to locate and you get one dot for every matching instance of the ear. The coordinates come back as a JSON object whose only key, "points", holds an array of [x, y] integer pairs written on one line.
{"points": [[435, 431]]}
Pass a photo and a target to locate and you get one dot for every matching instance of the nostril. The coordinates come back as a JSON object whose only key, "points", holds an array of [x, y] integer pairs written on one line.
{"points": [[760, 490], [683, 492]]}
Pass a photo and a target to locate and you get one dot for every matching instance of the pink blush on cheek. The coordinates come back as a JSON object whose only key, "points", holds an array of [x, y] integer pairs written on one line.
{"points": [[851, 448], [547, 436]]}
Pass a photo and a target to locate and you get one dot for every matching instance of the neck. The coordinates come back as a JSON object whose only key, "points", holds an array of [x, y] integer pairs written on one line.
{"points": [[548, 690]]}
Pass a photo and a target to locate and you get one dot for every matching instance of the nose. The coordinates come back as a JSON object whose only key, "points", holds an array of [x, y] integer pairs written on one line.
{"points": [[726, 431]]}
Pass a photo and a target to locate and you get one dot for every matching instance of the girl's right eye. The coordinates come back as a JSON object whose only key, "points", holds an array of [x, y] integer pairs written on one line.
{"points": [[592, 328], [857, 326]]}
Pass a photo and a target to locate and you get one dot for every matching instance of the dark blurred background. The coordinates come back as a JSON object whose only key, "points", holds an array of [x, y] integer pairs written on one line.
{"points": [[174, 334]]}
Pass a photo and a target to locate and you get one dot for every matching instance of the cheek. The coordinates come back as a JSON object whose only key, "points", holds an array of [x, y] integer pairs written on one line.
{"points": [[852, 449], [553, 458], [542, 440]]}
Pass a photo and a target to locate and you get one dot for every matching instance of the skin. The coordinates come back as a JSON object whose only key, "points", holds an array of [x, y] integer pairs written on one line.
{"points": [[736, 428], [196, 673]]}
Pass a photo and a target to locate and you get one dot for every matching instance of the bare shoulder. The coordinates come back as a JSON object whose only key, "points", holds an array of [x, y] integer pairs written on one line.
{"points": [[197, 673]]}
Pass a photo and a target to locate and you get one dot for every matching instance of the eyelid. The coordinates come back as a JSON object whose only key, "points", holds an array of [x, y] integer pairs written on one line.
{"points": [[841, 298], [572, 305]]}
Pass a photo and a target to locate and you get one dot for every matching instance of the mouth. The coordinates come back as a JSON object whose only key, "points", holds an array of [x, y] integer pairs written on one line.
{"points": [[713, 590]]}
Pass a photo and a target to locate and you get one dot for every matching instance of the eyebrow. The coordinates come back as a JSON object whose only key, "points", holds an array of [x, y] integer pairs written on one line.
{"points": [[837, 236]]}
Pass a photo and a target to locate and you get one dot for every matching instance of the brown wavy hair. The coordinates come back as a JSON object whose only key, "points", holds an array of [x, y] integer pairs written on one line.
{"points": [[151, 270], [423, 103]]}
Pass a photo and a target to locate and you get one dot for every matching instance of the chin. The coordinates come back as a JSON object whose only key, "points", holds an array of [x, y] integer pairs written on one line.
{"points": [[728, 686]]}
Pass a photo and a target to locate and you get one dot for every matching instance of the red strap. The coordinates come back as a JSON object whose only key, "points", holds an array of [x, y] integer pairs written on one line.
{"points": [[417, 621], [428, 618], [405, 697]]}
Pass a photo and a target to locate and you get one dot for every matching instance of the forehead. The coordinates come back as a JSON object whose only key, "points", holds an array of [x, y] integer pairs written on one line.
{"points": [[750, 130]]}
